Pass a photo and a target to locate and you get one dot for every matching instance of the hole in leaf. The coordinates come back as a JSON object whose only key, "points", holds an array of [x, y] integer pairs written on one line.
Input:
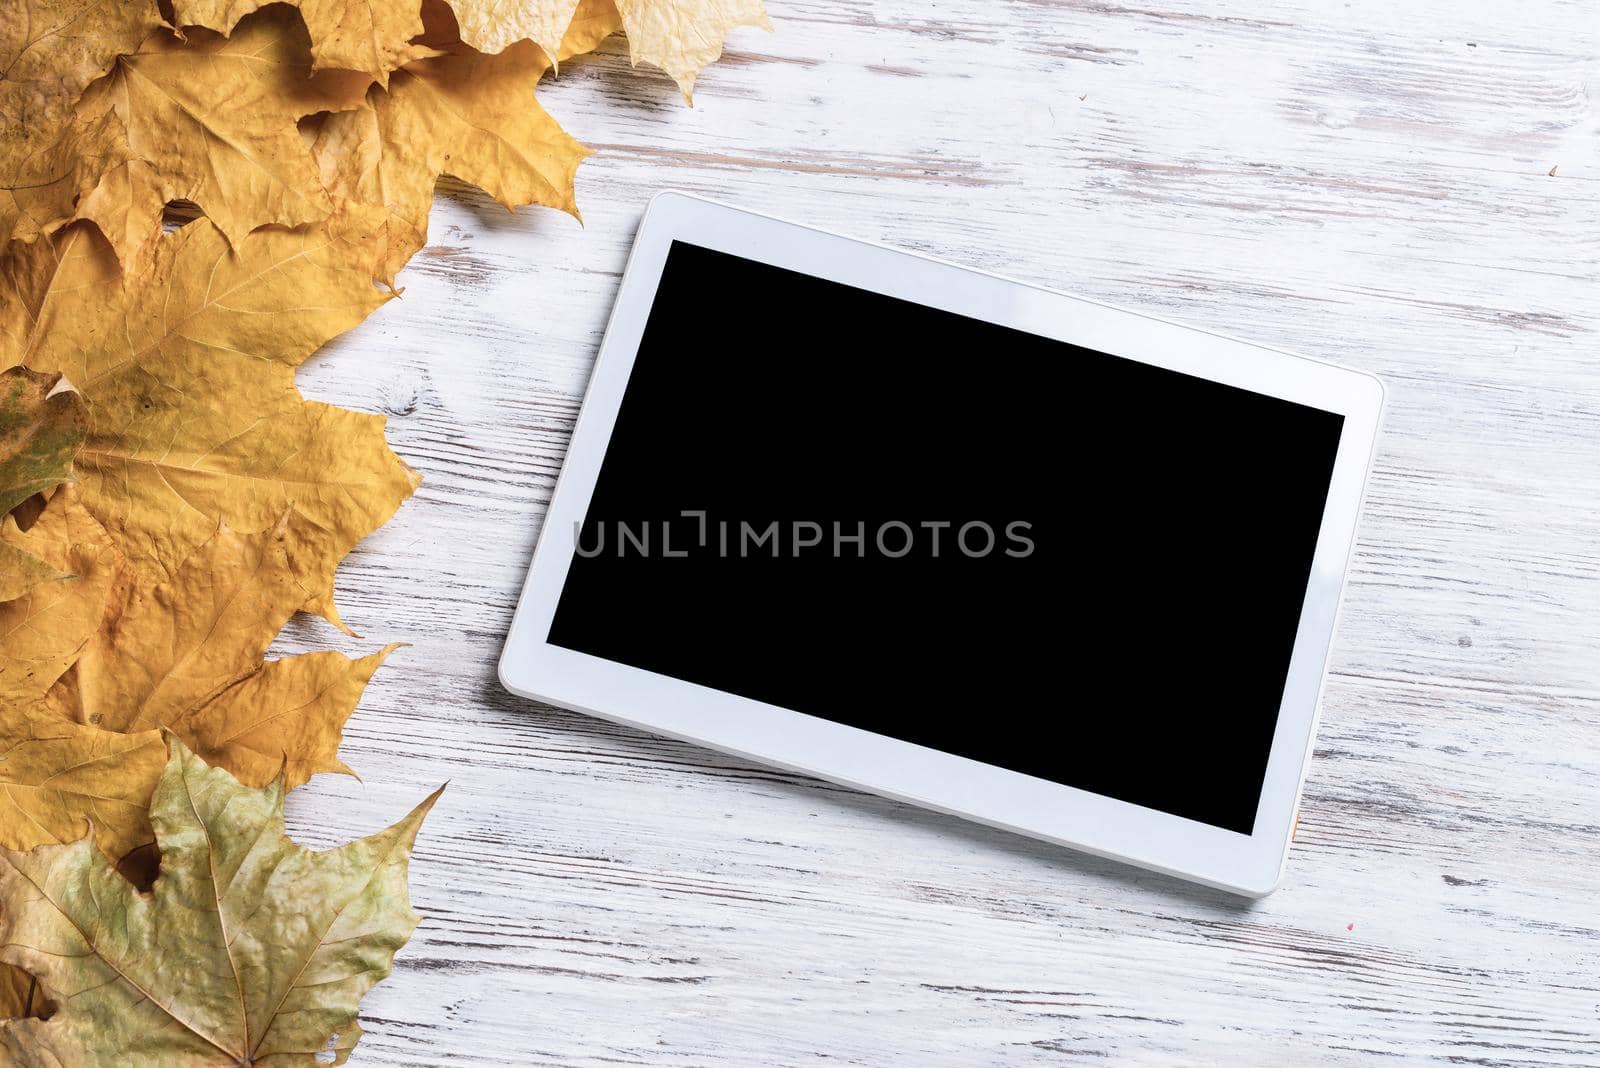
{"points": [[179, 213], [28, 511]]}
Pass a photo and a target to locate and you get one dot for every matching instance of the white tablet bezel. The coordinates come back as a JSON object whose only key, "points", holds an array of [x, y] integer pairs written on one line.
{"points": [[1248, 864]]}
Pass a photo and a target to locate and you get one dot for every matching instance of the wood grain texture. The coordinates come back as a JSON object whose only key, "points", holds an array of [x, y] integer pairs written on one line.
{"points": [[1409, 188]]}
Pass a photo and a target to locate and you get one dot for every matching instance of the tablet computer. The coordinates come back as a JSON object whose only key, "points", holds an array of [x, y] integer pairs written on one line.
{"points": [[1013, 555]]}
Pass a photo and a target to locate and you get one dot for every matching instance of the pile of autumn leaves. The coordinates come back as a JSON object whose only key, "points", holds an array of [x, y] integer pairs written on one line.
{"points": [[168, 499]]}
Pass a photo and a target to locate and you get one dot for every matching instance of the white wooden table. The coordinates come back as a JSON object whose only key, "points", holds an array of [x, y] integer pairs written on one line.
{"points": [[1409, 187]]}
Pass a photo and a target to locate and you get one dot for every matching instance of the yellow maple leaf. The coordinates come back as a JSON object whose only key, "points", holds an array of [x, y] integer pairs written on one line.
{"points": [[20, 570], [683, 36], [345, 34], [214, 118], [285, 720], [464, 114], [562, 28], [592, 22], [57, 778], [205, 119], [43, 631], [42, 422], [175, 645], [127, 203], [249, 950], [186, 655], [188, 372], [92, 144], [679, 36], [492, 26], [50, 50]]}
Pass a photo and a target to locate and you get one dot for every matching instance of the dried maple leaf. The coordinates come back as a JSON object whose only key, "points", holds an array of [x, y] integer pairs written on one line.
{"points": [[50, 50], [186, 655], [679, 36], [20, 570], [463, 113], [214, 118], [494, 25], [43, 631], [563, 28], [93, 143], [683, 36], [175, 645], [188, 372], [592, 22], [56, 778], [345, 34], [42, 423], [287, 719], [205, 119], [127, 204], [250, 949]]}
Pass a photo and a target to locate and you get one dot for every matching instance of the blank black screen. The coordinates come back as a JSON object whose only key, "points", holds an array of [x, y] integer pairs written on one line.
{"points": [[1127, 629]]}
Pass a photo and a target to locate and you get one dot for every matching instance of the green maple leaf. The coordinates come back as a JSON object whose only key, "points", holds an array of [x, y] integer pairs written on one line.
{"points": [[250, 949]]}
